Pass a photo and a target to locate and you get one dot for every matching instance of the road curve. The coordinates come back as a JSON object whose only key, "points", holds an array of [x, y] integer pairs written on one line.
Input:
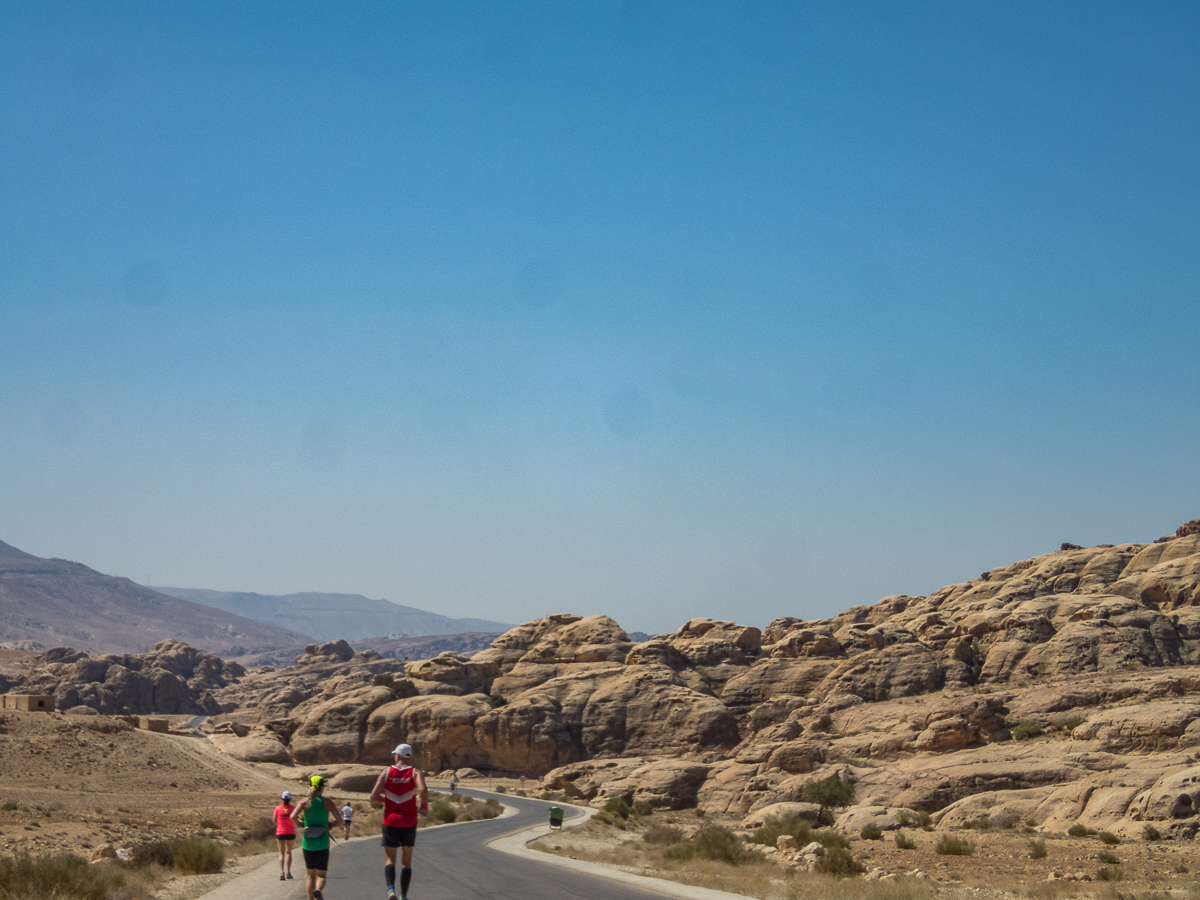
{"points": [[457, 863]]}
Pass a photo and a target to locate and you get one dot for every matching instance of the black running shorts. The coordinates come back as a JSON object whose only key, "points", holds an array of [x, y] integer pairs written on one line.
{"points": [[394, 836], [316, 859]]}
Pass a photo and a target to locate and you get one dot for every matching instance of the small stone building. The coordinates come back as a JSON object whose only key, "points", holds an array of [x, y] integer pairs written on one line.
{"points": [[28, 702]]}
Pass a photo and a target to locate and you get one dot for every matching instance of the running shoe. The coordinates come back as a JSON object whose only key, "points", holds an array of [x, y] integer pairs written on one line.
{"points": [[391, 894], [281, 876], [317, 895], [289, 876]]}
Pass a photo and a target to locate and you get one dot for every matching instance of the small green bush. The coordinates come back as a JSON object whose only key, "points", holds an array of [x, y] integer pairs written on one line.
{"points": [[501, 789], [949, 845], [1071, 724], [1150, 833], [67, 877], [824, 724], [715, 843], [1107, 837], [618, 807], [642, 808], [495, 700], [829, 792], [904, 842], [1027, 730], [1181, 869], [1078, 831], [778, 825], [442, 811], [546, 795], [198, 855], [838, 862], [1108, 857], [1037, 849], [871, 832], [1110, 875], [8, 806]]}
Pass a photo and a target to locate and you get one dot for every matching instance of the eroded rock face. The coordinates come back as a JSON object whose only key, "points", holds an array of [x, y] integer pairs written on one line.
{"points": [[915, 699], [335, 731]]}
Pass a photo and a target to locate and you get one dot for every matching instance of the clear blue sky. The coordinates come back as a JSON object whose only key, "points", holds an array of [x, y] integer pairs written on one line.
{"points": [[658, 310]]}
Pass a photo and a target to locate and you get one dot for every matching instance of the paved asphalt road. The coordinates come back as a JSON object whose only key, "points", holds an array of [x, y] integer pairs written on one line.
{"points": [[455, 863]]}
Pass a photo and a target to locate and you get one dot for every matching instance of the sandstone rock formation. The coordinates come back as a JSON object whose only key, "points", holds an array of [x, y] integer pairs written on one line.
{"points": [[172, 678], [915, 699]]}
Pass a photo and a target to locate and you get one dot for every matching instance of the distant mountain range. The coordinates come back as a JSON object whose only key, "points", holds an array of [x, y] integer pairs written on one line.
{"points": [[333, 616], [57, 603]]}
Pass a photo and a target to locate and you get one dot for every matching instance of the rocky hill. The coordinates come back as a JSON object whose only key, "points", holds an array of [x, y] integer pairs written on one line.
{"points": [[331, 617], [56, 603], [1058, 689], [172, 678]]}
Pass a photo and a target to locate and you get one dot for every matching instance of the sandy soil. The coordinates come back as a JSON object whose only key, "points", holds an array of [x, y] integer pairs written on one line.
{"points": [[76, 783]]}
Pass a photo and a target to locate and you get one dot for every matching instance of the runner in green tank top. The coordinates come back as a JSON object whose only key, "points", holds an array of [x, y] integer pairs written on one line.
{"points": [[314, 814]]}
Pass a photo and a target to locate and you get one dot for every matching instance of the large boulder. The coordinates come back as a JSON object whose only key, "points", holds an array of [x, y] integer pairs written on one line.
{"points": [[663, 783], [335, 731], [440, 729]]}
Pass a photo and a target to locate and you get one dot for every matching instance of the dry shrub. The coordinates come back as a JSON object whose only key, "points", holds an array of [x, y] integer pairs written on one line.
{"points": [[158, 853], [64, 877], [198, 855], [443, 811], [949, 845], [778, 825], [663, 834], [806, 886], [838, 862], [714, 843]]}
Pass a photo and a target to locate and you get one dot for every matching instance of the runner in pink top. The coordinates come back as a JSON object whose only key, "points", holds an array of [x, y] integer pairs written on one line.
{"points": [[285, 834]]}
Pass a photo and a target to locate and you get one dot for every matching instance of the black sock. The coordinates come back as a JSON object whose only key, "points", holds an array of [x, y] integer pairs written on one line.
{"points": [[389, 875], [405, 878]]}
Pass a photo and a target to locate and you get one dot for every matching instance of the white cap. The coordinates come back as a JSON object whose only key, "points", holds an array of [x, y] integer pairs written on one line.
{"points": [[287, 795], [403, 750]]}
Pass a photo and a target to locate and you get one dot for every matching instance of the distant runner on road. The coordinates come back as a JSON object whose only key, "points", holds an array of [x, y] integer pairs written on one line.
{"points": [[285, 835], [347, 815], [398, 787]]}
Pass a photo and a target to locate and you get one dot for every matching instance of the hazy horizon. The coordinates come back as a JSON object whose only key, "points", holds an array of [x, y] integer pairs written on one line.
{"points": [[654, 310]]}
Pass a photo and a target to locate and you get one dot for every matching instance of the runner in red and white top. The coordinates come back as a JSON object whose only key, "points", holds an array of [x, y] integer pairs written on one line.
{"points": [[401, 789]]}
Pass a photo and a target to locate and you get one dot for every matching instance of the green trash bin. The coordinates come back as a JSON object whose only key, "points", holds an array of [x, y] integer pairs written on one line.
{"points": [[556, 815]]}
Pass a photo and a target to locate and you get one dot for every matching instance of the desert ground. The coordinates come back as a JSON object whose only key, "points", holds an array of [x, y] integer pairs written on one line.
{"points": [[77, 784]]}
